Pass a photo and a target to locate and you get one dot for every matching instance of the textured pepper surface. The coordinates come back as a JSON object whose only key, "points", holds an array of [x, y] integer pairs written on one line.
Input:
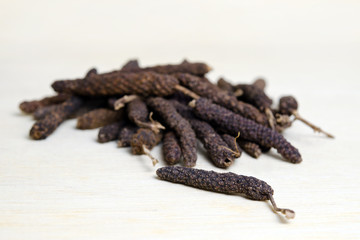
{"points": [[250, 148], [32, 106], [287, 105], [229, 183], [137, 111], [221, 97], [232, 143], [254, 96], [225, 85], [142, 83], [144, 137], [125, 135], [171, 148], [199, 69], [180, 125], [110, 132], [44, 127], [233, 123], [131, 65], [98, 118], [219, 152]]}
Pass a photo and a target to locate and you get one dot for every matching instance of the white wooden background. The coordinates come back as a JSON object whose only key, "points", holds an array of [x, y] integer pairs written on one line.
{"points": [[71, 187]]}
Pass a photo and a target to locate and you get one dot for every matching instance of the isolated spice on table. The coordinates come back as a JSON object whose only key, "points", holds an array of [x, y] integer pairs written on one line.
{"points": [[228, 183], [125, 135], [180, 125], [221, 97], [110, 132], [143, 141], [171, 148], [251, 131], [289, 106], [32, 106], [44, 127], [98, 118], [250, 148]]}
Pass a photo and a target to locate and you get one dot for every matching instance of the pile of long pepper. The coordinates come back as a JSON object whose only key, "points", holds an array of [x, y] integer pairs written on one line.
{"points": [[173, 104]]}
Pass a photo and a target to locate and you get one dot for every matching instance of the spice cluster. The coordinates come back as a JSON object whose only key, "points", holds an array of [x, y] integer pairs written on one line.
{"points": [[175, 105]]}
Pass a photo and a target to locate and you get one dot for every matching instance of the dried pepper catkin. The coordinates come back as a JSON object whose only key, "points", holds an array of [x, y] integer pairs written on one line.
{"points": [[221, 97], [199, 69], [260, 83], [143, 141], [219, 152], [32, 106], [225, 85], [138, 113], [171, 148], [110, 132], [98, 118], [91, 72], [259, 99], [232, 143], [289, 106], [125, 135], [229, 183], [250, 148], [180, 125], [44, 127], [131, 66], [142, 83], [251, 131]]}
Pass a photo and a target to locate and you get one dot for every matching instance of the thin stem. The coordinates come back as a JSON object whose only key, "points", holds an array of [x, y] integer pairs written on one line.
{"points": [[270, 117], [289, 214], [187, 92], [147, 153], [238, 92], [120, 103], [315, 128]]}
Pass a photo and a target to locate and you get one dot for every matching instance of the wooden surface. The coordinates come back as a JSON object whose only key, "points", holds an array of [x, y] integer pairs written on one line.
{"points": [[71, 187]]}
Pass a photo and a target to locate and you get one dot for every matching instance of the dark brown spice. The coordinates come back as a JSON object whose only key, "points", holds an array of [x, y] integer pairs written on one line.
{"points": [[125, 135], [131, 65], [44, 127], [138, 113], [171, 148], [250, 148], [232, 143], [119, 83], [257, 97], [32, 106], [199, 69], [180, 125], [110, 132], [233, 123], [225, 85], [260, 83], [289, 106], [219, 152], [229, 183], [221, 97], [143, 141], [41, 112], [98, 118], [91, 72]]}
